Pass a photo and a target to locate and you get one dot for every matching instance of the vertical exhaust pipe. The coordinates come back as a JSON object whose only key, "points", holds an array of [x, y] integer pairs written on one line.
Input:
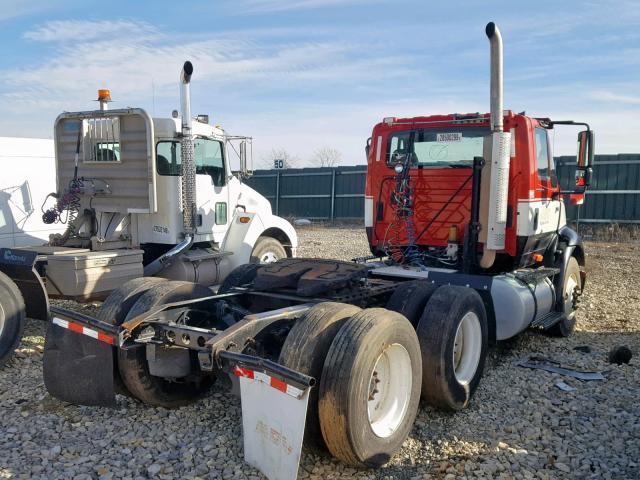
{"points": [[187, 154], [495, 178], [188, 181], [495, 42]]}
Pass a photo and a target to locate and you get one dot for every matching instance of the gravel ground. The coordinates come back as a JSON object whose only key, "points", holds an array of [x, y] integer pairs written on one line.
{"points": [[519, 424]]}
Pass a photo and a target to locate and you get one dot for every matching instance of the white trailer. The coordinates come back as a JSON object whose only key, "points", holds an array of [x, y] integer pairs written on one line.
{"points": [[28, 176]]}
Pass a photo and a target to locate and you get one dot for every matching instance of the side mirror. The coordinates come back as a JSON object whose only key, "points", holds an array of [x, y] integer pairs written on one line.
{"points": [[367, 148], [244, 171], [584, 167]]}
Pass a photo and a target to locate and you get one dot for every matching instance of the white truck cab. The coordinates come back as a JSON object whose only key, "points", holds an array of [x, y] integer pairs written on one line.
{"points": [[150, 197]]}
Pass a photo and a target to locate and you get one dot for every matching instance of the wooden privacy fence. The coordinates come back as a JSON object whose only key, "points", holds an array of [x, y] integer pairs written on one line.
{"points": [[338, 193]]}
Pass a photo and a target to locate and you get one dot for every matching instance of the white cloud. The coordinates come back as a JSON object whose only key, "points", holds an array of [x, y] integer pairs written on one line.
{"points": [[609, 96], [264, 6], [83, 31], [12, 9]]}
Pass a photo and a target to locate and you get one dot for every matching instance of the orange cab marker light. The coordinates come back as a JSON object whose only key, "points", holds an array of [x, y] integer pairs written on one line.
{"points": [[104, 95], [245, 219], [537, 257]]}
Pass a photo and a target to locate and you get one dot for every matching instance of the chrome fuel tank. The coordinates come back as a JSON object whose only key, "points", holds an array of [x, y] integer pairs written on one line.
{"points": [[516, 304]]}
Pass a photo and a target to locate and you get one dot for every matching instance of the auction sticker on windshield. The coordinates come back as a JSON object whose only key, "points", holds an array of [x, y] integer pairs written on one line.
{"points": [[449, 137]]}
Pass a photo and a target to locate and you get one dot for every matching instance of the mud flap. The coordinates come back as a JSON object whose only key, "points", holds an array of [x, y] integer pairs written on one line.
{"points": [[77, 368], [274, 410]]}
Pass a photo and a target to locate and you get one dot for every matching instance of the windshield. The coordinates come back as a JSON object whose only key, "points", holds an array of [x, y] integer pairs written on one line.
{"points": [[437, 147]]}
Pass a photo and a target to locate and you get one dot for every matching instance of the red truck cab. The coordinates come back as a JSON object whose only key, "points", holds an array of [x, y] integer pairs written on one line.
{"points": [[442, 149]]}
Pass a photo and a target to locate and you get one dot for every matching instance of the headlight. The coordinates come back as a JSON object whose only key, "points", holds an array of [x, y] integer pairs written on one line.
{"points": [[398, 168]]}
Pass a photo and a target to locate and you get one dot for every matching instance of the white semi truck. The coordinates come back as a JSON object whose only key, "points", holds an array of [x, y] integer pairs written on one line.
{"points": [[139, 196]]}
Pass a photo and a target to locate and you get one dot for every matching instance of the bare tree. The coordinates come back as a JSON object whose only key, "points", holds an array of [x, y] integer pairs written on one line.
{"points": [[289, 161], [326, 157]]}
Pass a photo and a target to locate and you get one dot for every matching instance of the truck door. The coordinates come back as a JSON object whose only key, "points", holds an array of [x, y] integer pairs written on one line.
{"points": [[548, 209], [212, 192]]}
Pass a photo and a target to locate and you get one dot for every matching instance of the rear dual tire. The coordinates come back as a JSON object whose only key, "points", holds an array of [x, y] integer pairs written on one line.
{"points": [[370, 387], [306, 348], [134, 367], [453, 334], [12, 318]]}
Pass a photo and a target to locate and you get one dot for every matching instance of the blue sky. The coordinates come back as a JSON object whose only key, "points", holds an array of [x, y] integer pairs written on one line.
{"points": [[304, 74]]}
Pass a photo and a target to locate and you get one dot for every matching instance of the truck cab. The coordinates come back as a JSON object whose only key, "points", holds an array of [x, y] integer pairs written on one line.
{"points": [[439, 152]]}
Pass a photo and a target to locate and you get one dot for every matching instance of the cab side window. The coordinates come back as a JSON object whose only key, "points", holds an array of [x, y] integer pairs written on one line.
{"points": [[543, 157], [208, 155], [209, 161]]}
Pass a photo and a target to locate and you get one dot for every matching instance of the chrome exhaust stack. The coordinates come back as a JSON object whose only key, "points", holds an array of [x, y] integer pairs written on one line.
{"points": [[497, 95], [495, 174], [187, 159], [188, 181]]}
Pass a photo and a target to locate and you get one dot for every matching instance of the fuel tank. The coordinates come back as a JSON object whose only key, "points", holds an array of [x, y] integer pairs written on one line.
{"points": [[517, 304]]}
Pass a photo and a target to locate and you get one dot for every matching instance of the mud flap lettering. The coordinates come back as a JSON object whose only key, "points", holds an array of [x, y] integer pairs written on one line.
{"points": [[78, 368]]}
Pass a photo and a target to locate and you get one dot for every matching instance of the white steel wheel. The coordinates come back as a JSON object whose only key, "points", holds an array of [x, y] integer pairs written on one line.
{"points": [[389, 390], [572, 284], [572, 288], [467, 348], [268, 257]]}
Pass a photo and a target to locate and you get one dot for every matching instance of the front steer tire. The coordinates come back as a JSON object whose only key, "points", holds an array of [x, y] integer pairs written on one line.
{"points": [[134, 367], [451, 373], [267, 250], [12, 318], [571, 282], [365, 422]]}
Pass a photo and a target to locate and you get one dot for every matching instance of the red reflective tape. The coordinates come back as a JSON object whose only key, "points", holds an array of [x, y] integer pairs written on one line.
{"points": [[74, 327], [243, 372], [278, 385], [106, 338]]}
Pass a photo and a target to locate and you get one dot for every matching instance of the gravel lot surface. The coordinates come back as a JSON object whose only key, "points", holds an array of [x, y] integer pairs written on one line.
{"points": [[519, 424]]}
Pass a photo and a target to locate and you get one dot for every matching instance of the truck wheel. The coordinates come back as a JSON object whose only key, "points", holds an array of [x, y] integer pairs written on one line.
{"points": [[133, 366], [453, 334], [116, 306], [12, 317], [267, 250], [410, 298], [571, 287], [305, 350], [240, 275], [370, 387], [115, 309]]}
